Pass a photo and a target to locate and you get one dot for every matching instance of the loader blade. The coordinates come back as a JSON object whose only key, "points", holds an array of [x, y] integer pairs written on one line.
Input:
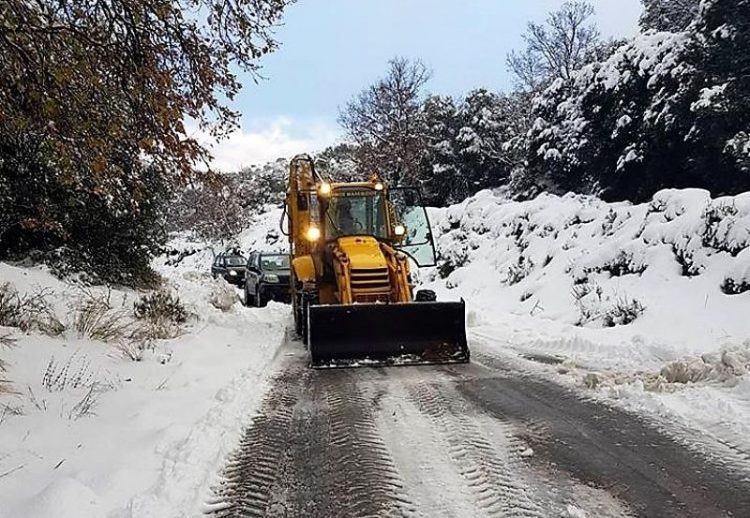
{"points": [[387, 334]]}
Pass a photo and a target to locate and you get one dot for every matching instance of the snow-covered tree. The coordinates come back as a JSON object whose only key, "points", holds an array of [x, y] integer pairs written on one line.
{"points": [[442, 176], [339, 163], [469, 143], [489, 123], [666, 110], [668, 15]]}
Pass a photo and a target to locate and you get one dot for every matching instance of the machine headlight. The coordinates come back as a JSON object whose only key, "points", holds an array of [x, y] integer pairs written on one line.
{"points": [[325, 188], [232, 272], [399, 230], [271, 277], [313, 234], [379, 186]]}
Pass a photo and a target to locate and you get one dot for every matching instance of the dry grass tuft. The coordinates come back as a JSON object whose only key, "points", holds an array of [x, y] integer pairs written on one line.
{"points": [[160, 314], [6, 341], [98, 319], [154, 316], [28, 312]]}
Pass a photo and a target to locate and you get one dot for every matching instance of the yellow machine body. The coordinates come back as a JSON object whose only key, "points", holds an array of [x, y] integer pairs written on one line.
{"points": [[351, 285]]}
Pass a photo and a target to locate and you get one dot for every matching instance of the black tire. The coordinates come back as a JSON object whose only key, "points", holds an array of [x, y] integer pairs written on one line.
{"points": [[426, 296], [303, 320], [260, 300], [248, 300]]}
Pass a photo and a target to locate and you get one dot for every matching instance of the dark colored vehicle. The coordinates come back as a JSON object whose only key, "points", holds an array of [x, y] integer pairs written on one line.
{"points": [[267, 278], [230, 266]]}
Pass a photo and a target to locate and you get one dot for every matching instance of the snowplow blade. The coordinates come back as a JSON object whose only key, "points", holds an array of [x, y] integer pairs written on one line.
{"points": [[414, 333]]}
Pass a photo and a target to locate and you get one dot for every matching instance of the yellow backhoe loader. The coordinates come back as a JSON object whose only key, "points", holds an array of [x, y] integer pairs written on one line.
{"points": [[351, 245]]}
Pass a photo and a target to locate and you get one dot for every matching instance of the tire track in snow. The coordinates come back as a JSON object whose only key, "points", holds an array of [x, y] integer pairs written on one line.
{"points": [[364, 465], [607, 447], [314, 450], [247, 480], [491, 471]]}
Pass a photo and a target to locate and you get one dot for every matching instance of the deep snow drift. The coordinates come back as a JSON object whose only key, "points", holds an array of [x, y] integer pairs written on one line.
{"points": [[673, 274]]}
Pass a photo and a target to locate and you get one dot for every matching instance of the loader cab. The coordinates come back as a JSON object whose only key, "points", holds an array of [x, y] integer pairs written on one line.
{"points": [[395, 216], [356, 211]]}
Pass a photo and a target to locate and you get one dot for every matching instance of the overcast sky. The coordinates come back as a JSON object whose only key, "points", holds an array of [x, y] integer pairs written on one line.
{"points": [[331, 49]]}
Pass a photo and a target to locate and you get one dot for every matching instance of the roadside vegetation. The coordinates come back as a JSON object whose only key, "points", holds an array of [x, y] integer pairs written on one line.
{"points": [[94, 99]]}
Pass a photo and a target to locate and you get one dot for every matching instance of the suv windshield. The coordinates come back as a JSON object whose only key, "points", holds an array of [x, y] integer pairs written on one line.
{"points": [[356, 212], [234, 260], [274, 262]]}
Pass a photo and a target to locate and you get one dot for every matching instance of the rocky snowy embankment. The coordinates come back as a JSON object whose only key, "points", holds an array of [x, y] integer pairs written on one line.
{"points": [[102, 415], [647, 305]]}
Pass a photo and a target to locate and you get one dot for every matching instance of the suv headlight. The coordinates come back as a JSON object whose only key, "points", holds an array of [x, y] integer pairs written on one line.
{"points": [[232, 272], [271, 277]]}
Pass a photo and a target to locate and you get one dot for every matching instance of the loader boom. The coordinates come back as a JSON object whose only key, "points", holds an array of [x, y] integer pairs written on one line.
{"points": [[352, 293]]}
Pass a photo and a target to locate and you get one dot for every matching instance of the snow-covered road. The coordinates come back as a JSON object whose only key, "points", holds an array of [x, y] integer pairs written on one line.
{"points": [[492, 438]]}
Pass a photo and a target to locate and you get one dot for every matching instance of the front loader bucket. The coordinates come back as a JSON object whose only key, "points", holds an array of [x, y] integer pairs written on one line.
{"points": [[391, 334]]}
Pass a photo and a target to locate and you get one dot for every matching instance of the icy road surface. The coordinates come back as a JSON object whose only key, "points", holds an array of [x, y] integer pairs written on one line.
{"points": [[484, 439]]}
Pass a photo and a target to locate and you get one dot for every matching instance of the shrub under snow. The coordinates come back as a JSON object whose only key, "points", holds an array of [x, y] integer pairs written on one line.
{"points": [[682, 260]]}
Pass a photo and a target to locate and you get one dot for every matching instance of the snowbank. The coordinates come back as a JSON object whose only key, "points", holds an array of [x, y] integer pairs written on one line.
{"points": [[645, 305], [88, 432], [651, 281]]}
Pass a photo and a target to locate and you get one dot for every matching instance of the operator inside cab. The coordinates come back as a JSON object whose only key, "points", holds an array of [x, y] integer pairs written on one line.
{"points": [[347, 223], [358, 212]]}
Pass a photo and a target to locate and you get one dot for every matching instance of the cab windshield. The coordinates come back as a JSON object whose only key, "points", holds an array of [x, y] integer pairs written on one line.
{"points": [[274, 262], [356, 212]]}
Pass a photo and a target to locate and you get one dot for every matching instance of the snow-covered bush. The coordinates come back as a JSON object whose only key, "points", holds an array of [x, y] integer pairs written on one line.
{"points": [[594, 264], [587, 297], [519, 271], [664, 110], [162, 312], [622, 264], [622, 312], [732, 287]]}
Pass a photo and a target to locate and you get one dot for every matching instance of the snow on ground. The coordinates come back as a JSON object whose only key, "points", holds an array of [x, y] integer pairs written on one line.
{"points": [[646, 305], [87, 432], [642, 305]]}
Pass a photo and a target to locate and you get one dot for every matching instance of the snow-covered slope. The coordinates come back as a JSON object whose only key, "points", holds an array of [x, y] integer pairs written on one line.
{"points": [[658, 280], [644, 305], [88, 432]]}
